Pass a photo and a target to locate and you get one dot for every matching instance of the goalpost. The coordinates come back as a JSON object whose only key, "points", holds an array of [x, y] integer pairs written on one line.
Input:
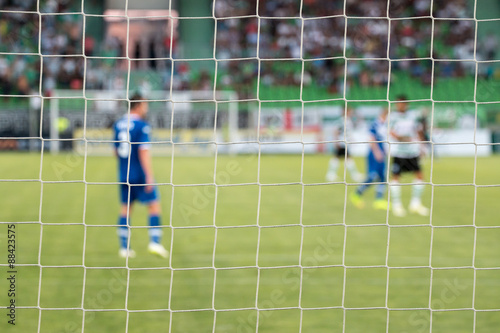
{"points": [[258, 240]]}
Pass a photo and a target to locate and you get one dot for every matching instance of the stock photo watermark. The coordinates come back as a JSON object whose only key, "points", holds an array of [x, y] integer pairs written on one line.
{"points": [[290, 280], [451, 291], [98, 301], [202, 198], [11, 273]]}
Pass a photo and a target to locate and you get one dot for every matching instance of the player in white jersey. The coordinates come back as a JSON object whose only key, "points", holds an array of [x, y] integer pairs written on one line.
{"points": [[342, 133], [406, 134]]}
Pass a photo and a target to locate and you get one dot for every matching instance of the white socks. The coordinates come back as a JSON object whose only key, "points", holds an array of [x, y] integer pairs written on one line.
{"points": [[417, 191], [333, 165], [351, 167], [395, 190]]}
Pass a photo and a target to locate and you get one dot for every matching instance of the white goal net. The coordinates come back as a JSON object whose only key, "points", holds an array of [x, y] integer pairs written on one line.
{"points": [[266, 129]]}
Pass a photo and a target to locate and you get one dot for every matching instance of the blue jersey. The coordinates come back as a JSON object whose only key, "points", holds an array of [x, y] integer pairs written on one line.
{"points": [[378, 132], [376, 169], [131, 134]]}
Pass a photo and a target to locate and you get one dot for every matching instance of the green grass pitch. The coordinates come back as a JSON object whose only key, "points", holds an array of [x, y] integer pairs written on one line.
{"points": [[240, 247]]}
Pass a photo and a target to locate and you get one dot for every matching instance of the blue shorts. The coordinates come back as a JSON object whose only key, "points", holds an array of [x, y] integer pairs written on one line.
{"points": [[137, 192]]}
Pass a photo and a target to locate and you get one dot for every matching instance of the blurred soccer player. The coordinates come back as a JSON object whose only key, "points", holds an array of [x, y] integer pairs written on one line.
{"points": [[131, 133], [376, 165], [406, 130], [342, 133]]}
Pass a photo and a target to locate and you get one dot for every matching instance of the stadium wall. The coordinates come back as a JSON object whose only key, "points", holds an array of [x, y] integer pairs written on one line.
{"points": [[445, 142], [281, 131]]}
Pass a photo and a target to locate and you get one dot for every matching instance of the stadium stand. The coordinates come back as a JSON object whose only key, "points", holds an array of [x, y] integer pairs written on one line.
{"points": [[279, 48]]}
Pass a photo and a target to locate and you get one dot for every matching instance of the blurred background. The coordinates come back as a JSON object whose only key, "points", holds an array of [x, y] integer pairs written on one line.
{"points": [[244, 76], [274, 57]]}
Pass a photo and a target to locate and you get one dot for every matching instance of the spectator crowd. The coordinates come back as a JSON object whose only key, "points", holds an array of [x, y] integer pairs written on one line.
{"points": [[322, 33]]}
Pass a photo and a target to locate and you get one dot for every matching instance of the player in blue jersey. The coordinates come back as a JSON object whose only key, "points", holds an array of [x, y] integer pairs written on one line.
{"points": [[131, 135], [377, 159]]}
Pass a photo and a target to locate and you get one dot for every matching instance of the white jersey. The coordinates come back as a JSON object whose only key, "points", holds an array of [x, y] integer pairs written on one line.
{"points": [[343, 128], [406, 126]]}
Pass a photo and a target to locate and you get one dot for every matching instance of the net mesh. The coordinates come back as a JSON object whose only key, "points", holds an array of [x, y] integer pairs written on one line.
{"points": [[257, 242]]}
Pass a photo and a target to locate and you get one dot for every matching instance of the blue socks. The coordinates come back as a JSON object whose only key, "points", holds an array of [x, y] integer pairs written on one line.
{"points": [[123, 232], [379, 194], [366, 184], [380, 191], [155, 232]]}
